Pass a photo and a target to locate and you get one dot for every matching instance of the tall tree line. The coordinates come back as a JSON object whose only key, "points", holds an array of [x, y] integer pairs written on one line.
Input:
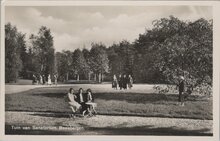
{"points": [[83, 64], [160, 55], [25, 61]]}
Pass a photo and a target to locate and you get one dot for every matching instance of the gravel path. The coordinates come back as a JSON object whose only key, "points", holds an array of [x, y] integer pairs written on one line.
{"points": [[51, 123], [97, 88]]}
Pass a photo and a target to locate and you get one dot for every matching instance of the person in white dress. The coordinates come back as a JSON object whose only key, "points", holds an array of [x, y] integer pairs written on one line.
{"points": [[49, 80], [55, 79], [75, 106], [41, 80]]}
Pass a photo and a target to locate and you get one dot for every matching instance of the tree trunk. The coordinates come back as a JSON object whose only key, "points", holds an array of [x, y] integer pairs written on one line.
{"points": [[95, 77], [89, 76], [100, 77], [77, 77], [67, 76]]}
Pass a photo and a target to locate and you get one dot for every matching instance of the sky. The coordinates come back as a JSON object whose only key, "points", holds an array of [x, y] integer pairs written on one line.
{"points": [[78, 26]]}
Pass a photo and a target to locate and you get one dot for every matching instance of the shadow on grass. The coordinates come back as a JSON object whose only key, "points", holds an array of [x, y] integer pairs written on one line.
{"points": [[149, 130], [129, 97], [57, 115]]}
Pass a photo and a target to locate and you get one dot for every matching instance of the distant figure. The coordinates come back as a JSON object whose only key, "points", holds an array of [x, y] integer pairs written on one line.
{"points": [[81, 101], [55, 79], [115, 82], [181, 90], [120, 81], [130, 82], [124, 82], [44, 79], [34, 79], [41, 80], [49, 80], [71, 101]]}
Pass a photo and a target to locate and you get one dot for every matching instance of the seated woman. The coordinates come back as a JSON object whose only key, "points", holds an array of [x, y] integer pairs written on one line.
{"points": [[71, 101], [90, 103]]}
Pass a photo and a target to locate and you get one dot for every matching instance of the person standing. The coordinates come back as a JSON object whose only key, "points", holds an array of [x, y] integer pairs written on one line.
{"points": [[181, 90], [49, 80], [44, 79], [120, 81], [130, 82], [124, 82], [55, 79], [115, 82], [34, 79], [41, 80]]}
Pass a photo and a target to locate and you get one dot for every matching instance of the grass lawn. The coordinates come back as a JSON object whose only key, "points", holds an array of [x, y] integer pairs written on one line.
{"points": [[50, 99]]}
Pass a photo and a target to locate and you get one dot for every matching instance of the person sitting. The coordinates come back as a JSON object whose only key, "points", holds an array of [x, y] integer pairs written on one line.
{"points": [[90, 103], [74, 106], [81, 100]]}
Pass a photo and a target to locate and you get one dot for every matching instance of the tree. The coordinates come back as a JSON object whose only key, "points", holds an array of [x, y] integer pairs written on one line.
{"points": [[13, 42], [43, 51], [121, 58], [64, 65], [23, 55], [87, 57], [79, 63], [188, 52], [99, 60]]}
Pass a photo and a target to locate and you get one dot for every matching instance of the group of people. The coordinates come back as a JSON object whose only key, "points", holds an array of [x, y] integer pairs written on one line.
{"points": [[42, 79], [83, 102], [123, 82]]}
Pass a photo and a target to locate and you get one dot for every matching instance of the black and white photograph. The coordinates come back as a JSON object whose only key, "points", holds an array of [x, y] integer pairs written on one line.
{"points": [[113, 70]]}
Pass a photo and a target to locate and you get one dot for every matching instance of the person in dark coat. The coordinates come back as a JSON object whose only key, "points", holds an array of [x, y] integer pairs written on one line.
{"points": [[80, 98], [33, 79], [120, 80], [124, 82], [44, 79], [181, 90]]}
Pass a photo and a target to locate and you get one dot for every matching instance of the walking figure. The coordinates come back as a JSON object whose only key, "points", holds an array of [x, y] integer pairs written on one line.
{"points": [[34, 79], [55, 79], [120, 81], [49, 80], [124, 82], [181, 90], [130, 82], [44, 79], [41, 80], [115, 82]]}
